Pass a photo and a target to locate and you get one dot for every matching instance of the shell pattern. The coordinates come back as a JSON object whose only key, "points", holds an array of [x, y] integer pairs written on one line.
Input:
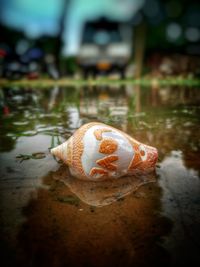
{"points": [[97, 152]]}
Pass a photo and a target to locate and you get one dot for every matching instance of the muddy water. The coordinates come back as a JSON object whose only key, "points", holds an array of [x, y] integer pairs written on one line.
{"points": [[49, 219]]}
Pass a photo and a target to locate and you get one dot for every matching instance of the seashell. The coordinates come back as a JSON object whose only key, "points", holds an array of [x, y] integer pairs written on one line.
{"points": [[98, 152]]}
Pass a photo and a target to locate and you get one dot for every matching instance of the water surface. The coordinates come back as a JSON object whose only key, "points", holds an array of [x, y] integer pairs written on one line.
{"points": [[48, 222]]}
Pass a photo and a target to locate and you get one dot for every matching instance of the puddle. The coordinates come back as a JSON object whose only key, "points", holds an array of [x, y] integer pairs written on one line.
{"points": [[48, 218]]}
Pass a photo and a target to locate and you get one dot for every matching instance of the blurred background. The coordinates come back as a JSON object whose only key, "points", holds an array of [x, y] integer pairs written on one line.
{"points": [[83, 38]]}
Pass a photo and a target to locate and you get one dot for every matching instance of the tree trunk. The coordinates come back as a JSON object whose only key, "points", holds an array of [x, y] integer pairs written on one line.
{"points": [[140, 34]]}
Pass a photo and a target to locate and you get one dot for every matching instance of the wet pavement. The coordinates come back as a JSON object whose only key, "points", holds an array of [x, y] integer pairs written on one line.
{"points": [[48, 218]]}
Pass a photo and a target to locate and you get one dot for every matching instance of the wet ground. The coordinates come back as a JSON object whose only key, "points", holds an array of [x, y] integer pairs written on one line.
{"points": [[47, 222]]}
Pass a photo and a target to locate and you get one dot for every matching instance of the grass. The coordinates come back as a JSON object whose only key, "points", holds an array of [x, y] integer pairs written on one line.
{"points": [[168, 81]]}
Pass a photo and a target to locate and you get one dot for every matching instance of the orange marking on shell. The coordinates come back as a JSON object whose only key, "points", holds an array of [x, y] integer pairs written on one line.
{"points": [[142, 153], [108, 146], [136, 158], [69, 153], [106, 162], [78, 148], [98, 133], [96, 171]]}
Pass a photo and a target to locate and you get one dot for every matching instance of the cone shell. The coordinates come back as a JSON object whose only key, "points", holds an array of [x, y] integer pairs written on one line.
{"points": [[98, 152]]}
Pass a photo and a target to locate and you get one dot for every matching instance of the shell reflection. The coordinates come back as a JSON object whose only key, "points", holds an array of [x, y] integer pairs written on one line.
{"points": [[106, 192]]}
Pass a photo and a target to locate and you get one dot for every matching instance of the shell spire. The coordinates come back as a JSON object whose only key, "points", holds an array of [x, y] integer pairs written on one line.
{"points": [[63, 152]]}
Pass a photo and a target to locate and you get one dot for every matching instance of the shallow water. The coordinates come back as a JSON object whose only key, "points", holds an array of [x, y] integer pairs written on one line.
{"points": [[48, 222]]}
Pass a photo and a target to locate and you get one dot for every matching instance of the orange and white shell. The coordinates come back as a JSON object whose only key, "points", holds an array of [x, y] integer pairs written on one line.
{"points": [[97, 152]]}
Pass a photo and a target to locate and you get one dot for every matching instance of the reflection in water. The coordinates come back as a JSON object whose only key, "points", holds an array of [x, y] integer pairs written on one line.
{"points": [[62, 225], [181, 199], [52, 100], [60, 230], [105, 192]]}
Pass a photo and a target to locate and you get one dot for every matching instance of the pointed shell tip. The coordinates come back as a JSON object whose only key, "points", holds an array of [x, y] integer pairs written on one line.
{"points": [[54, 151]]}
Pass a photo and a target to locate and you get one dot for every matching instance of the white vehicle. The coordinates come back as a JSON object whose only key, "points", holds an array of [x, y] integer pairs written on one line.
{"points": [[105, 48]]}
